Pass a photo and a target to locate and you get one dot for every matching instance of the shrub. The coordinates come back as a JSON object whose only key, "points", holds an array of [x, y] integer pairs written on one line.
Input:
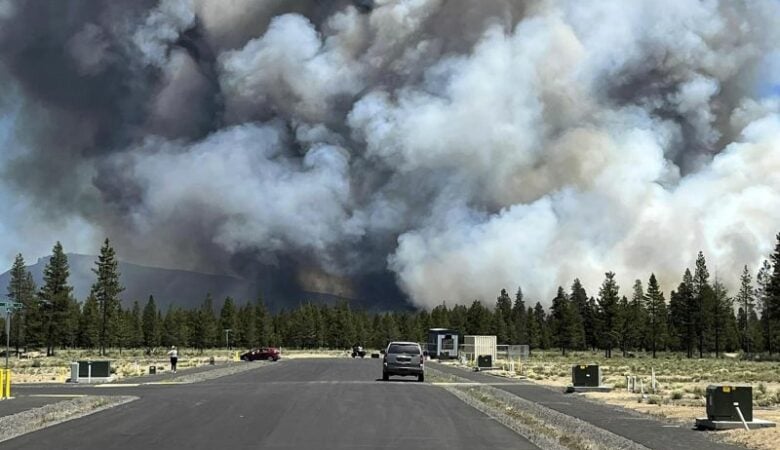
{"points": [[677, 395]]}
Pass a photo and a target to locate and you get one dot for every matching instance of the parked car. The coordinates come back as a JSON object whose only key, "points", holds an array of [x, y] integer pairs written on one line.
{"points": [[265, 353], [403, 359]]}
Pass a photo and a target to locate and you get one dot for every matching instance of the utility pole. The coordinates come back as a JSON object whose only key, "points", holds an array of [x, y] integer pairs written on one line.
{"points": [[8, 305]]}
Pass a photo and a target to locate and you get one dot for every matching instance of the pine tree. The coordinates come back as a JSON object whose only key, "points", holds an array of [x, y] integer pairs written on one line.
{"points": [[704, 298], [561, 321], [656, 311], [56, 298], [263, 324], [746, 300], [89, 326], [137, 332], [763, 279], [228, 320], [440, 316], [21, 289], [478, 320], [723, 314], [106, 291], [636, 317], [151, 331], [773, 301], [595, 324], [501, 316], [247, 326], [581, 325], [534, 331], [540, 319], [519, 320], [608, 305]]}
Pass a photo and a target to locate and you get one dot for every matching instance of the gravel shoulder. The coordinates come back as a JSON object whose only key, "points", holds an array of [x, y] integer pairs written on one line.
{"points": [[543, 426], [52, 414]]}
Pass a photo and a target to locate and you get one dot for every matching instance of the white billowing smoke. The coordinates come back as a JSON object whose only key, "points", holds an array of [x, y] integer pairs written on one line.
{"points": [[467, 148]]}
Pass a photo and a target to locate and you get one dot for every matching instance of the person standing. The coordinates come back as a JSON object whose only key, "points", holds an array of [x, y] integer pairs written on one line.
{"points": [[174, 354]]}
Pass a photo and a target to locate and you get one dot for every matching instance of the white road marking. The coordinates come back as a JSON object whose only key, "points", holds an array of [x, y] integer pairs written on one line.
{"points": [[57, 395]]}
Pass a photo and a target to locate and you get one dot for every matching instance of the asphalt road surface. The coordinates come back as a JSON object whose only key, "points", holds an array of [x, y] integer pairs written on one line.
{"points": [[297, 404]]}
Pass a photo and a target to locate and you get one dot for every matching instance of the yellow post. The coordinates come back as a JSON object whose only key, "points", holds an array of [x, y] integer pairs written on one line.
{"points": [[5, 383]]}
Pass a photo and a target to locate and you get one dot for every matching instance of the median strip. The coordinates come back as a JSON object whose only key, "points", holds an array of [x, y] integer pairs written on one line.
{"points": [[542, 426], [38, 418]]}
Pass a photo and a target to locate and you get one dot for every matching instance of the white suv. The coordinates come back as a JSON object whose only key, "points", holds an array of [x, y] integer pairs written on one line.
{"points": [[403, 359]]}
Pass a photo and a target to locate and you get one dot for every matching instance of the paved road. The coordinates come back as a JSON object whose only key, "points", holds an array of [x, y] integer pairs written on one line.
{"points": [[634, 426], [298, 404]]}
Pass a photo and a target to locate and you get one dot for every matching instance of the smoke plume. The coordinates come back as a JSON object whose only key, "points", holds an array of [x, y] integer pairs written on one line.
{"points": [[434, 146]]}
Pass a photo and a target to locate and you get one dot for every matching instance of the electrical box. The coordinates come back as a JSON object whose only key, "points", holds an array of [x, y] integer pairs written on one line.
{"points": [[485, 361], [721, 399], [586, 375], [94, 369]]}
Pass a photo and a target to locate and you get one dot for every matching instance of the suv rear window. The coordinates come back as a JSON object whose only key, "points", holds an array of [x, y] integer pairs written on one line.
{"points": [[397, 348]]}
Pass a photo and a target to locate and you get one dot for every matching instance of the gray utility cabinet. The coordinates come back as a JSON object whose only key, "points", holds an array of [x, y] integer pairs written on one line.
{"points": [[586, 375], [721, 399], [94, 369], [485, 361]]}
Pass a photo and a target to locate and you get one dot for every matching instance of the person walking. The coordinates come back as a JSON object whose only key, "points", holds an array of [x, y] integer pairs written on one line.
{"points": [[174, 354]]}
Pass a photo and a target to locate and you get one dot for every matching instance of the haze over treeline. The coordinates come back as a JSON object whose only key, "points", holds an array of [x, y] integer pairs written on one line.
{"points": [[420, 149], [700, 317]]}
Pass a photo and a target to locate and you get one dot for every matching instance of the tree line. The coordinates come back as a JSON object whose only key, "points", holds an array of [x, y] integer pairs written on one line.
{"points": [[700, 318]]}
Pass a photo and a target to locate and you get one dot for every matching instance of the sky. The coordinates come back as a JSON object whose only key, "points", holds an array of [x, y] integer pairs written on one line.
{"points": [[443, 150]]}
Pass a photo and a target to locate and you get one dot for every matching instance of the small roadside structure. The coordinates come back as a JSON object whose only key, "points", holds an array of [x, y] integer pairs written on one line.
{"points": [[730, 407], [91, 372], [586, 378], [475, 346], [442, 343]]}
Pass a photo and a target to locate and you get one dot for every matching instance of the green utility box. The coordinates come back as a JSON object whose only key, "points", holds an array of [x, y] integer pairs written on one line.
{"points": [[94, 369], [586, 375], [721, 399], [485, 361]]}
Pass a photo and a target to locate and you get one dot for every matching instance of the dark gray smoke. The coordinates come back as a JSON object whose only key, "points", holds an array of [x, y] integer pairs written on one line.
{"points": [[363, 146]]}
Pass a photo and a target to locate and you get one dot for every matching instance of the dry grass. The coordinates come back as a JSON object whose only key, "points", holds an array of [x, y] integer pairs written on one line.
{"points": [[681, 386]]}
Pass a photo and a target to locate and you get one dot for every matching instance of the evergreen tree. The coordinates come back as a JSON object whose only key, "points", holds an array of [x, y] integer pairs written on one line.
{"points": [[440, 316], [745, 299], [56, 298], [656, 312], [594, 323], [247, 326], [106, 291], [763, 279], [561, 321], [89, 326], [773, 301], [263, 324], [540, 319], [581, 325], [623, 326], [519, 320], [204, 326], [636, 317], [228, 321], [501, 316], [534, 331], [704, 303], [25, 320], [723, 316], [151, 331], [609, 307], [478, 319], [137, 333]]}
